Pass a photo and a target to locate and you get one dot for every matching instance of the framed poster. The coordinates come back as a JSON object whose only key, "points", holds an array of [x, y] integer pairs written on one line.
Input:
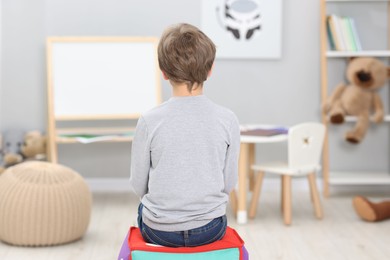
{"points": [[244, 28]]}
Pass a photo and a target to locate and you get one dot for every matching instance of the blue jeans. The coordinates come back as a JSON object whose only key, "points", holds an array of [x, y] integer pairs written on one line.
{"points": [[212, 231]]}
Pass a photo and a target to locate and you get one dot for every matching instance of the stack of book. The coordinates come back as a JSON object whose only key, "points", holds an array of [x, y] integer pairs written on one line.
{"points": [[342, 33], [263, 131]]}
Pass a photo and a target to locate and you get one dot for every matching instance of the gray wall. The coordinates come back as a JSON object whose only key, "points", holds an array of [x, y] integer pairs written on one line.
{"points": [[1, 15], [282, 92]]}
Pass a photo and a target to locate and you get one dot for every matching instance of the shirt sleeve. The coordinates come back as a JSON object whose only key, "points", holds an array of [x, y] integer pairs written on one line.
{"points": [[232, 155], [140, 159]]}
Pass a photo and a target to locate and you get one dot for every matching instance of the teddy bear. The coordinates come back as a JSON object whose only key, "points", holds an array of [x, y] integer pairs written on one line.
{"points": [[34, 146], [18, 147], [359, 97]]}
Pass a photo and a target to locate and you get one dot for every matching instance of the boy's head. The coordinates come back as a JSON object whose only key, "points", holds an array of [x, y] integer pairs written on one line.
{"points": [[185, 54]]}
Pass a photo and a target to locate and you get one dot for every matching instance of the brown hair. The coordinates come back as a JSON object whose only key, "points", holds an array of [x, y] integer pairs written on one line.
{"points": [[185, 54]]}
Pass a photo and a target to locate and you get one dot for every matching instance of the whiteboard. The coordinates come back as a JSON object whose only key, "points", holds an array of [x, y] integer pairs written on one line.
{"points": [[92, 78]]}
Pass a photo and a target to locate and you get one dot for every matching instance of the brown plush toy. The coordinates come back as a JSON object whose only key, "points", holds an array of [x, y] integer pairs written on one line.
{"points": [[359, 97], [370, 211], [34, 146]]}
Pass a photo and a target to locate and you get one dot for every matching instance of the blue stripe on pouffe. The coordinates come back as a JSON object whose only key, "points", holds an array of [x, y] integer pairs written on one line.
{"points": [[224, 254]]}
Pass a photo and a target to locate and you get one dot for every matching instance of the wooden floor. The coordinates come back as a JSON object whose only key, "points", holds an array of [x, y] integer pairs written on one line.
{"points": [[340, 235]]}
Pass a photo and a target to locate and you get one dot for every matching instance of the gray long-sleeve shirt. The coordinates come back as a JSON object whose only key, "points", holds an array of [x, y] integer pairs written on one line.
{"points": [[184, 162]]}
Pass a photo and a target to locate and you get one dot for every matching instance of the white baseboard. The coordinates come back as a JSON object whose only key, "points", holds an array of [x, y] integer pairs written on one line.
{"points": [[271, 184], [108, 184], [123, 185]]}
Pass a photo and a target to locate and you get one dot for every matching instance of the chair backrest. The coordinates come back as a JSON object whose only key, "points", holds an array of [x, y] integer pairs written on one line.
{"points": [[305, 144]]}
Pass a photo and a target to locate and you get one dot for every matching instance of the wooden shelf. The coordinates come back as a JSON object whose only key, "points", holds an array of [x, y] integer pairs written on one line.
{"points": [[353, 119], [347, 54], [359, 178]]}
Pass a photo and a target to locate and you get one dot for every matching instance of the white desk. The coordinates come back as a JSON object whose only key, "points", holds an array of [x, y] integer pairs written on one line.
{"points": [[247, 158]]}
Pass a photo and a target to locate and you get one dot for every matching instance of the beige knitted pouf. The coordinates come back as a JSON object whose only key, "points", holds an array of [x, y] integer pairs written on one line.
{"points": [[43, 204]]}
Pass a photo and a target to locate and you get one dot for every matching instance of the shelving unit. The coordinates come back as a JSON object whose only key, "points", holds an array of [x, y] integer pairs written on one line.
{"points": [[346, 178]]}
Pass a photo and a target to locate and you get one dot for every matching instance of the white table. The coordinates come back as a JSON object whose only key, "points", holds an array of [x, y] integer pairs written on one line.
{"points": [[247, 158]]}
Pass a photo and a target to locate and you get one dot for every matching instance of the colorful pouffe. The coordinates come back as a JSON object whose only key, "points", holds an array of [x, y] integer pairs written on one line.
{"points": [[43, 204], [230, 247]]}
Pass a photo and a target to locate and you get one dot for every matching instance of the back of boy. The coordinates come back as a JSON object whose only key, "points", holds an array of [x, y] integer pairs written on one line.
{"points": [[185, 151]]}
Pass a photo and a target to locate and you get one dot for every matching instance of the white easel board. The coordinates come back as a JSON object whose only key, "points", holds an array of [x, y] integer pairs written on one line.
{"points": [[103, 77], [93, 78]]}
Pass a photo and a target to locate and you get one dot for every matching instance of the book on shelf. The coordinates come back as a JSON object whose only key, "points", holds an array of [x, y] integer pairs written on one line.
{"points": [[347, 33], [339, 32], [342, 33], [355, 34], [333, 43]]}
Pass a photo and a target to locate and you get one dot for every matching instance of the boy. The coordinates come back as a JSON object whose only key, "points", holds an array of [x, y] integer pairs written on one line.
{"points": [[185, 151]]}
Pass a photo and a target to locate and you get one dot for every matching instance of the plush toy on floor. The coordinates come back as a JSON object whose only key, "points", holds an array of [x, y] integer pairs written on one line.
{"points": [[19, 147], [370, 211], [10, 150], [34, 146], [359, 97]]}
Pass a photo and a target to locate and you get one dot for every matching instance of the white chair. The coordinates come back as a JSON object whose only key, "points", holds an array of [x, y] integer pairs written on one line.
{"points": [[304, 150]]}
